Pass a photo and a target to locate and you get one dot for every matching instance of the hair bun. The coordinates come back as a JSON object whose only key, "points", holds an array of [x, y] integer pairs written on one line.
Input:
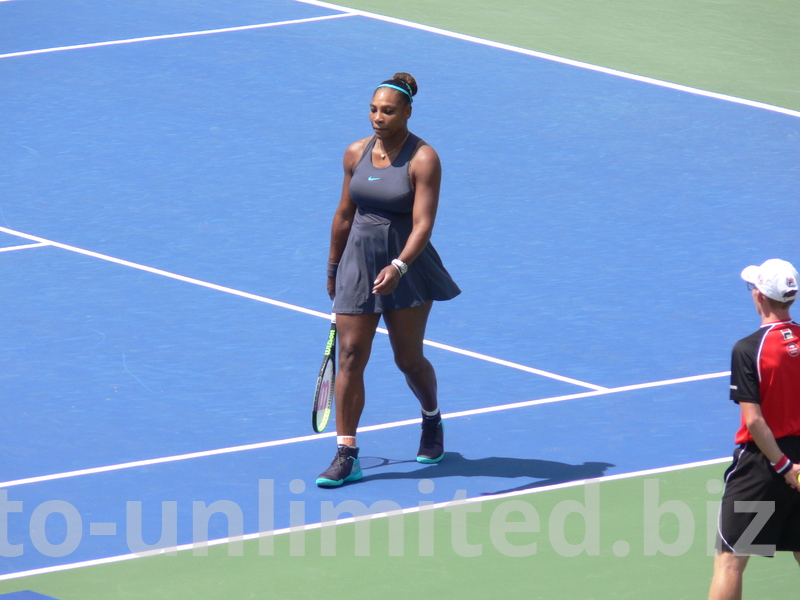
{"points": [[409, 79]]}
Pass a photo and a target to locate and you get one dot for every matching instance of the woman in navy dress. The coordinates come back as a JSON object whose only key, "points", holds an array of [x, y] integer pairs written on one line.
{"points": [[381, 262]]}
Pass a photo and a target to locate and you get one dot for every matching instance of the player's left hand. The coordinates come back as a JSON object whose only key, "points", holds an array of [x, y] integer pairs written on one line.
{"points": [[387, 281]]}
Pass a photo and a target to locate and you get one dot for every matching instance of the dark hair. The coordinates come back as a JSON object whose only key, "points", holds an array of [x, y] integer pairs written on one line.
{"points": [[405, 84]]}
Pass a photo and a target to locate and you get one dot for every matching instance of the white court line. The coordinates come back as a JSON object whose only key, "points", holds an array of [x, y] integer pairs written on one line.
{"points": [[172, 36], [512, 365], [598, 390], [155, 271], [350, 12], [309, 438], [26, 246], [288, 306], [349, 520], [553, 58]]}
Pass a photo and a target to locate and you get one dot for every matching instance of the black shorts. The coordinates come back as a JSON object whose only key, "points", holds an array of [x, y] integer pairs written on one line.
{"points": [[771, 522]]}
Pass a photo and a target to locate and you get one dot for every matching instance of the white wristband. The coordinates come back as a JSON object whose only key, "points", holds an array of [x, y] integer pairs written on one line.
{"points": [[400, 266]]}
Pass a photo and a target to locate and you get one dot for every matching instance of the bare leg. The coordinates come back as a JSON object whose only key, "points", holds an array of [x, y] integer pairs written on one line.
{"points": [[354, 335], [727, 581], [406, 333]]}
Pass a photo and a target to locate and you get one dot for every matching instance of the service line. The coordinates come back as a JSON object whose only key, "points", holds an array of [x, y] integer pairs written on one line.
{"points": [[25, 246], [369, 428], [171, 36]]}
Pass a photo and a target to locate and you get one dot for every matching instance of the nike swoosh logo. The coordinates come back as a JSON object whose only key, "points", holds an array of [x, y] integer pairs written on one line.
{"points": [[373, 178]]}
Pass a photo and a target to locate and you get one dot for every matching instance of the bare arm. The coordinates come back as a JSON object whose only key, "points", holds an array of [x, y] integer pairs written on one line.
{"points": [[426, 174], [765, 440], [345, 211]]}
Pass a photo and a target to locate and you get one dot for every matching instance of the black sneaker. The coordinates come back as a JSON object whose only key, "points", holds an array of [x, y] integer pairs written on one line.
{"points": [[431, 443], [344, 468]]}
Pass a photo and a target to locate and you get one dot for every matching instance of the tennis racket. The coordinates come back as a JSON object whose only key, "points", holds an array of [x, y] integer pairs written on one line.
{"points": [[323, 395]]}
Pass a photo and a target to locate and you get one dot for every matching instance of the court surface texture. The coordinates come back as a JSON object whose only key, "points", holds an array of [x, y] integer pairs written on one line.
{"points": [[170, 171]]}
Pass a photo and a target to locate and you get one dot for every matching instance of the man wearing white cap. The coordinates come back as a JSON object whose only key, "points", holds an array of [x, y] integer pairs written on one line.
{"points": [[760, 512]]}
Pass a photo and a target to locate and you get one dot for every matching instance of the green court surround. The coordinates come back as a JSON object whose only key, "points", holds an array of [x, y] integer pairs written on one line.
{"points": [[744, 48]]}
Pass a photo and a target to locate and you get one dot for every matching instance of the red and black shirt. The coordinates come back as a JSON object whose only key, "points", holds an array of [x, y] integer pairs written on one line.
{"points": [[765, 369]]}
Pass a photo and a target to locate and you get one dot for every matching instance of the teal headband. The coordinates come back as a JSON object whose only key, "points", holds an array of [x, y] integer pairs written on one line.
{"points": [[399, 89]]}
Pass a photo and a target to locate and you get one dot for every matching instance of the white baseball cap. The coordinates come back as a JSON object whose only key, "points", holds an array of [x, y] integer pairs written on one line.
{"points": [[775, 278]]}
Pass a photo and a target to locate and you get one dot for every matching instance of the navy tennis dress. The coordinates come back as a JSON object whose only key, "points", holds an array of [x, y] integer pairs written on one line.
{"points": [[382, 224]]}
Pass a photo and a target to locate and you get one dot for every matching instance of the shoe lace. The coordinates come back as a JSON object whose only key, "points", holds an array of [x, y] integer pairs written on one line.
{"points": [[430, 429], [341, 457]]}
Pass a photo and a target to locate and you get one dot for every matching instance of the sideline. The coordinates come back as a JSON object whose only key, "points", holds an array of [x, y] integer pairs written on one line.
{"points": [[286, 305], [554, 58]]}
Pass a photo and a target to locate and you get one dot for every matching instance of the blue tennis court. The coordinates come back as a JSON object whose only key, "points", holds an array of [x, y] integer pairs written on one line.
{"points": [[170, 178]]}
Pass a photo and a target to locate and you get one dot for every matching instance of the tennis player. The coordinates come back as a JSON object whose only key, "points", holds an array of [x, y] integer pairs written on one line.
{"points": [[760, 511], [381, 262]]}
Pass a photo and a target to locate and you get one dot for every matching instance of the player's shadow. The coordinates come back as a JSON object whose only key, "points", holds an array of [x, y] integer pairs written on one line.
{"points": [[539, 473]]}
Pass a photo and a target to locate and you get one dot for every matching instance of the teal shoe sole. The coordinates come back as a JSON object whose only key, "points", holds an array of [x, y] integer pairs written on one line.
{"points": [[355, 475], [429, 461]]}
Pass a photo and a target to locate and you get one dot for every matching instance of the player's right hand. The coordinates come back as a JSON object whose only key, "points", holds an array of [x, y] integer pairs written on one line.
{"points": [[332, 287]]}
